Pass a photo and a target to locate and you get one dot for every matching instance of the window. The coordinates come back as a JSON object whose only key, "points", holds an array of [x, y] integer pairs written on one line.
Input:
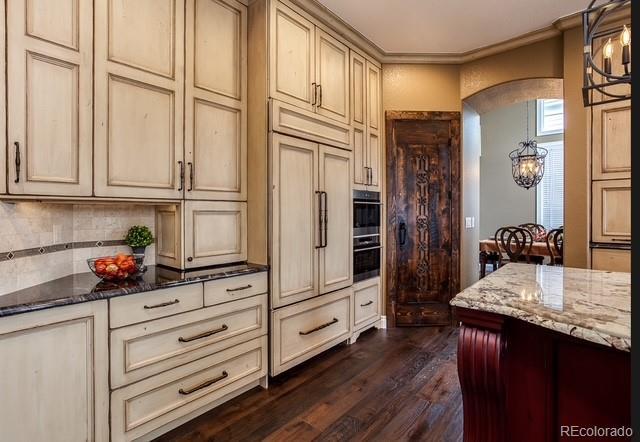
{"points": [[549, 117], [550, 191]]}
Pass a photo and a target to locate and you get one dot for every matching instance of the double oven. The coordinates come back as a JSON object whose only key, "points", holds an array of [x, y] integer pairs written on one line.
{"points": [[366, 234]]}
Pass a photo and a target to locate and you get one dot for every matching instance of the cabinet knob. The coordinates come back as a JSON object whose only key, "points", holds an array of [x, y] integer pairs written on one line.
{"points": [[190, 259]]}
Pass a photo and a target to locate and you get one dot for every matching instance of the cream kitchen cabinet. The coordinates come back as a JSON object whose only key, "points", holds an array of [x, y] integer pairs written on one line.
{"points": [[139, 92], [367, 305], [201, 233], [54, 374], [611, 211], [308, 67], [612, 260], [49, 101], [311, 219], [365, 119], [611, 141], [216, 100]]}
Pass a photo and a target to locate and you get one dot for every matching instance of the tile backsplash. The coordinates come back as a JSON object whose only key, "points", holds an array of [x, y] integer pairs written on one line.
{"points": [[27, 225]]}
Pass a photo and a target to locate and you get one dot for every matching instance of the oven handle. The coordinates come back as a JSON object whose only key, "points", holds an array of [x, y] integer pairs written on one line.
{"points": [[367, 248], [375, 203]]}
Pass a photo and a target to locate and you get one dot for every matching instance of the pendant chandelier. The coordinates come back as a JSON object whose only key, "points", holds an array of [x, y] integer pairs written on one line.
{"points": [[527, 161], [607, 53]]}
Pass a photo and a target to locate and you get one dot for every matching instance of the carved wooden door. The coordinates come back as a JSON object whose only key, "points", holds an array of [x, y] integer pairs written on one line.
{"points": [[423, 226]]}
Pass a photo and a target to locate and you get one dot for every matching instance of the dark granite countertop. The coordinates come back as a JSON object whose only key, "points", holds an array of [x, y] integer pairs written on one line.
{"points": [[85, 287]]}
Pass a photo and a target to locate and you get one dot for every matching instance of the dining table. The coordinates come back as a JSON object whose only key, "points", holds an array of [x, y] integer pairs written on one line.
{"points": [[490, 251]]}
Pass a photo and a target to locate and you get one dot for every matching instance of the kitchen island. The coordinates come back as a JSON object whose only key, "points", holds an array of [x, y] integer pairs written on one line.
{"points": [[544, 352]]}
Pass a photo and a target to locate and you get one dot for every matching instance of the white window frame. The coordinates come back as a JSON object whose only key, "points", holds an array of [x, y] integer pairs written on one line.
{"points": [[539, 212], [540, 131]]}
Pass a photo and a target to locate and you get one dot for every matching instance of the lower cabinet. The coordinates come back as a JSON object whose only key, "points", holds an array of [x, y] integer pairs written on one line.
{"points": [[305, 329], [175, 396], [612, 260], [54, 375], [201, 233], [367, 301], [170, 369]]}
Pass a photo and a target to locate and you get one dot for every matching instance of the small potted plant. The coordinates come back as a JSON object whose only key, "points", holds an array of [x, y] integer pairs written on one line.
{"points": [[138, 238]]}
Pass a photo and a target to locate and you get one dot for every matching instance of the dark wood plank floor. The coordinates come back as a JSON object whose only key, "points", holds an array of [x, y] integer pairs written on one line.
{"points": [[392, 385]]}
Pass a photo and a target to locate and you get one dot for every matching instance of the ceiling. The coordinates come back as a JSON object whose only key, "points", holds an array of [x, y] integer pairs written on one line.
{"points": [[448, 26]]}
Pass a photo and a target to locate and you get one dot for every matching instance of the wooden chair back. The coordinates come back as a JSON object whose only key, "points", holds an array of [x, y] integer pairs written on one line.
{"points": [[537, 230], [555, 245], [516, 242]]}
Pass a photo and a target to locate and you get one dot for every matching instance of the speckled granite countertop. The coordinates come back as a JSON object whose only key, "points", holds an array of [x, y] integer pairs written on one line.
{"points": [[85, 287], [588, 304]]}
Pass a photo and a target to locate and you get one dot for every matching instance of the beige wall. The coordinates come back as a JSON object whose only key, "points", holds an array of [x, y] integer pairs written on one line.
{"points": [[421, 87], [538, 60], [576, 151]]}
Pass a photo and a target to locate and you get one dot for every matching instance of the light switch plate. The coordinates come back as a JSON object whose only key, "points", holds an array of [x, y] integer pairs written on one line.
{"points": [[469, 222]]}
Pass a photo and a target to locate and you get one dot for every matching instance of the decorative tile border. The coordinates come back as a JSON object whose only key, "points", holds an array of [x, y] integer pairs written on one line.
{"points": [[15, 254]]}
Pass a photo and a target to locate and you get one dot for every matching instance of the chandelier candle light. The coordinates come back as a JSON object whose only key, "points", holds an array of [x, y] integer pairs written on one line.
{"points": [[527, 161], [603, 83]]}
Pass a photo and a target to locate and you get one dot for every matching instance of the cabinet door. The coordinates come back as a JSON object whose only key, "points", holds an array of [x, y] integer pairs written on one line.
{"points": [[332, 77], [214, 233], [373, 159], [611, 217], [3, 109], [292, 57], [373, 96], [611, 142], [373, 127], [336, 252], [50, 98], [358, 95], [216, 100], [139, 92], [294, 220], [54, 375]]}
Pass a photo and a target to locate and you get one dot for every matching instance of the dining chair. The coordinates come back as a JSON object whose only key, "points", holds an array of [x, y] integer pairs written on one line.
{"points": [[537, 230], [555, 245], [516, 242]]}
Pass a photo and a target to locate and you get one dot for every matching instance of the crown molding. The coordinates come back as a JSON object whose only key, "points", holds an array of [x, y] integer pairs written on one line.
{"points": [[348, 32]]}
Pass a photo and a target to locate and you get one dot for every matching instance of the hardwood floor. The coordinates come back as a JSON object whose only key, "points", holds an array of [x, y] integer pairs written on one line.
{"points": [[391, 385]]}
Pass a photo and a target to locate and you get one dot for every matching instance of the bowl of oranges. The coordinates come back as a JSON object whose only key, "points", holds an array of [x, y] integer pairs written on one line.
{"points": [[117, 268]]}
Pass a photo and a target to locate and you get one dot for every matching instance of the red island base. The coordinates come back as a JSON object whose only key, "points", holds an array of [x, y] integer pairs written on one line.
{"points": [[522, 382]]}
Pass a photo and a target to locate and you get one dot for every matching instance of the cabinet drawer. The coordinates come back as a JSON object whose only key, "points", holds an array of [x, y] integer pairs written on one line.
{"points": [[611, 260], [147, 405], [143, 350], [292, 120], [141, 307], [303, 330], [366, 303], [231, 289]]}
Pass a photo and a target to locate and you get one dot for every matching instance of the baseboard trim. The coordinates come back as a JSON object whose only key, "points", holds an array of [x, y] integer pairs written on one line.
{"points": [[383, 321]]}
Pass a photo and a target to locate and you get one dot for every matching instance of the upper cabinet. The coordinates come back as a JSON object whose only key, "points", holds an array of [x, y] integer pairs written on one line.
{"points": [[365, 119], [139, 92], [308, 67], [611, 141], [332, 77], [216, 100], [49, 68]]}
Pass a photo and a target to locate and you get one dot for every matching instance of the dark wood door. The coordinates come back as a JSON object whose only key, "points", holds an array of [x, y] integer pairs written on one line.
{"points": [[423, 225]]}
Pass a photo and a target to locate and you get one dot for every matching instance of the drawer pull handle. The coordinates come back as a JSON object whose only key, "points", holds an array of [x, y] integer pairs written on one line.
{"points": [[237, 289], [163, 304], [366, 304], [205, 384], [320, 327], [205, 334]]}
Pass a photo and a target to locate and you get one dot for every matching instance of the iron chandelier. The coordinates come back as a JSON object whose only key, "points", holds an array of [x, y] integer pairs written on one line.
{"points": [[527, 161], [607, 53]]}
